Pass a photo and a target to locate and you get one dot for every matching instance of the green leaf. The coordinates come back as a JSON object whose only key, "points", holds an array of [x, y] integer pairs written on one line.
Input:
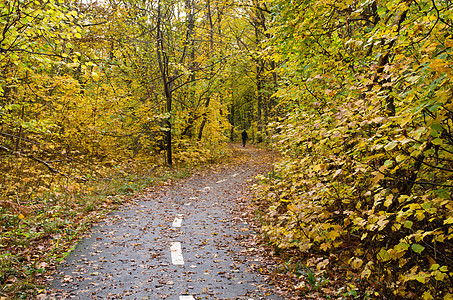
{"points": [[383, 255], [437, 141], [408, 224], [381, 10], [417, 248], [435, 133], [402, 246], [437, 127]]}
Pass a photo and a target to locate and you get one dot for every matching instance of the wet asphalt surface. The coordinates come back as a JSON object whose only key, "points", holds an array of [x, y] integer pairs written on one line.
{"points": [[128, 255]]}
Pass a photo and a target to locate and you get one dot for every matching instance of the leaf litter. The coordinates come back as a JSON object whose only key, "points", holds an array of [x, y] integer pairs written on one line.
{"points": [[128, 255]]}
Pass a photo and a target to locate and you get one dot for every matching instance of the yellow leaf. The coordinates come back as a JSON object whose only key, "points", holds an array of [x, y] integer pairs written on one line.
{"points": [[420, 214], [317, 168], [439, 275], [421, 277], [367, 271], [439, 65], [325, 246], [357, 263], [382, 222], [322, 264], [400, 158], [391, 145], [383, 255], [402, 262], [388, 200], [448, 221], [333, 234], [443, 269], [21, 216], [427, 295]]}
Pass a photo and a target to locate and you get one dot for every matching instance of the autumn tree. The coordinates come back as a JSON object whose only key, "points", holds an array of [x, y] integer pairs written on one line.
{"points": [[91, 92], [86, 86], [257, 107]]}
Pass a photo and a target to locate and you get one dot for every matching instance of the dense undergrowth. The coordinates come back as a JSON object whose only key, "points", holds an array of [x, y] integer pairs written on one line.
{"points": [[337, 196], [366, 183]]}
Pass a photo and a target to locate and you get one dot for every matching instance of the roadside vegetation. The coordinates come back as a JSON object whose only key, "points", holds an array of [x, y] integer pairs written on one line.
{"points": [[365, 188]]}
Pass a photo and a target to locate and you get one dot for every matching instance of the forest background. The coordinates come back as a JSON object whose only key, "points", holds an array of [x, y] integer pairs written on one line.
{"points": [[97, 99]]}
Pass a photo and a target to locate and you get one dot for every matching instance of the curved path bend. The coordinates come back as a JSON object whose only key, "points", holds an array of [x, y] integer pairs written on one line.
{"points": [[180, 242]]}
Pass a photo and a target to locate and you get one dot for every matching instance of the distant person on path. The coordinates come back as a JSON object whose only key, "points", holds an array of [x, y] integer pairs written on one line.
{"points": [[244, 137]]}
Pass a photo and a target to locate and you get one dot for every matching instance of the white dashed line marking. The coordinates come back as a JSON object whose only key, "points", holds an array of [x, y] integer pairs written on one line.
{"points": [[178, 221], [176, 254], [175, 248], [221, 181]]}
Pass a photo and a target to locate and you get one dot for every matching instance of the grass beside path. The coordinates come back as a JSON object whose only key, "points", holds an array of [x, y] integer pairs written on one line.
{"points": [[36, 237]]}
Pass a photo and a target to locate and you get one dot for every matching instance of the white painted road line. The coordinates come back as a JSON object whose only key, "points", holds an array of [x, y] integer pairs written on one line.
{"points": [[186, 298], [178, 221], [176, 254]]}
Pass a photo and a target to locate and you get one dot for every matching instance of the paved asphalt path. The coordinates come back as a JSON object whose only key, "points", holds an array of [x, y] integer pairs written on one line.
{"points": [[178, 242]]}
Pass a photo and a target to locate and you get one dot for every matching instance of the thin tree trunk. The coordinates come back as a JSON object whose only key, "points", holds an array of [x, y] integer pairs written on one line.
{"points": [[232, 121], [211, 50], [163, 66], [163, 62], [260, 28], [260, 98]]}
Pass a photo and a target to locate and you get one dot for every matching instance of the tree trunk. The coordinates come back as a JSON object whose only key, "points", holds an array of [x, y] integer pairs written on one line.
{"points": [[211, 49], [384, 60], [163, 66], [260, 29]]}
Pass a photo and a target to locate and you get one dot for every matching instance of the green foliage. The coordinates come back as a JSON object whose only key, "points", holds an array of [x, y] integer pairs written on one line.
{"points": [[367, 140]]}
